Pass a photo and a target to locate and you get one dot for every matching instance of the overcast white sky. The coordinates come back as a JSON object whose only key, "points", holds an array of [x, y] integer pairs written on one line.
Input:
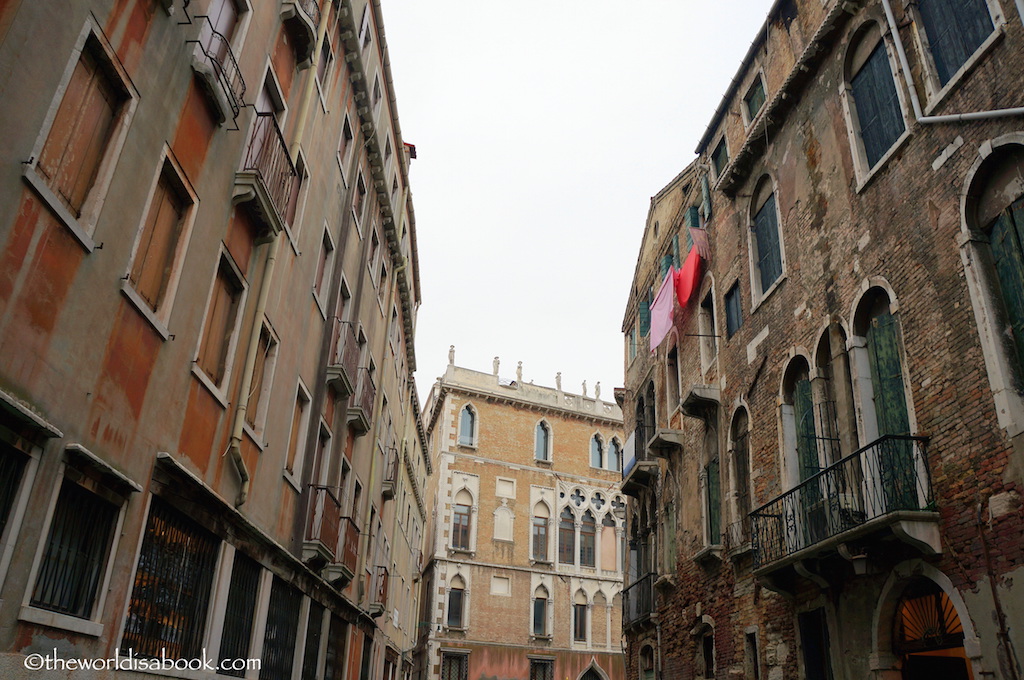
{"points": [[543, 128]]}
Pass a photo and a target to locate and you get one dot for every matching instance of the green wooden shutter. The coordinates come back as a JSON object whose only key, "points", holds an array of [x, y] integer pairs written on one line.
{"points": [[803, 413], [675, 251], [887, 375], [705, 192], [645, 315], [1007, 242], [714, 502], [666, 262]]}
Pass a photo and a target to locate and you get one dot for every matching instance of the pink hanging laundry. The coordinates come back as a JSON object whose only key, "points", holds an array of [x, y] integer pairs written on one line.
{"points": [[661, 310]]}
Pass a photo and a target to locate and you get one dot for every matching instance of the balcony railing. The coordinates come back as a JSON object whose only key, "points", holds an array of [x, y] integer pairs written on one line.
{"points": [[323, 524], [216, 63], [343, 569], [888, 476], [268, 170], [390, 472], [737, 534], [344, 358], [361, 409], [379, 601], [638, 600], [640, 466]]}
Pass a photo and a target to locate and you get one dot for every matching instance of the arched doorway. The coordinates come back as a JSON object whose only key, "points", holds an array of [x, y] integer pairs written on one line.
{"points": [[591, 674], [928, 635]]}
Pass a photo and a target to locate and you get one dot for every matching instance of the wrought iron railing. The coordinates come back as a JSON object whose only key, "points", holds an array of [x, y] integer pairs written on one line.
{"points": [[349, 556], [345, 347], [324, 520], [267, 156], [638, 599], [889, 475], [737, 534], [217, 52], [367, 392]]}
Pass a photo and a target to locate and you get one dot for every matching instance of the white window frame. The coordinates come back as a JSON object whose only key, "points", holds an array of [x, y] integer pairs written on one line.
{"points": [[83, 227], [160, 320], [219, 391], [320, 295], [757, 295]]}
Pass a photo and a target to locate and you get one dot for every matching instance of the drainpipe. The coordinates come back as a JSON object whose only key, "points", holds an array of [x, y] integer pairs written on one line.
{"points": [[377, 401], [918, 113], [234, 446]]}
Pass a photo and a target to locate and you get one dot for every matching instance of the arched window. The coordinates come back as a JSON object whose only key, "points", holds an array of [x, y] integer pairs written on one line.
{"points": [[955, 30], [766, 246], [461, 520], [467, 426], [712, 488], [881, 332], [579, 617], [647, 663], [798, 424], [566, 537], [615, 456], [539, 542], [596, 452], [588, 532], [876, 110], [609, 543], [540, 612], [542, 445], [456, 602], [740, 531]]}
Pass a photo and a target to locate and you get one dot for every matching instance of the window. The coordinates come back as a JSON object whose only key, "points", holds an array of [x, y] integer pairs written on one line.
{"points": [[876, 110], [262, 377], [615, 456], [467, 427], [955, 30], [766, 243], [75, 160], [708, 329], [324, 268], [239, 610], [814, 644], [345, 146], [299, 429], [12, 467], [376, 96], [334, 662], [292, 217], [542, 669], [454, 666], [596, 452], [365, 34], [171, 595], [461, 520], [323, 67], [798, 425], [281, 635], [672, 380], [889, 394], [733, 313], [707, 653], [631, 343], [751, 662], [539, 530], [754, 99], [566, 537], [456, 600], [720, 158], [540, 612], [160, 246], [741, 474], [1006, 240], [712, 489], [222, 319], [542, 444], [76, 553], [359, 200], [579, 617], [588, 532], [314, 631]]}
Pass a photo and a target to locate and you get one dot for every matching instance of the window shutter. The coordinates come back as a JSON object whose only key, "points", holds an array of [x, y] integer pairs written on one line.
{"points": [[666, 262], [887, 375], [878, 106], [705, 191], [1007, 242], [675, 251], [803, 414], [766, 233], [692, 217], [714, 502], [645, 317]]}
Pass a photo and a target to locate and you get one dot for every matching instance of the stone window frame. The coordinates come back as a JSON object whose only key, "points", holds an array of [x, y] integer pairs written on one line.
{"points": [[472, 440], [757, 200], [464, 622], [550, 446], [749, 119]]}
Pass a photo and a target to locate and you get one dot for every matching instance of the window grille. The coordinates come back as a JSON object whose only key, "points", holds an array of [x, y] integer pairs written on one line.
{"points": [[282, 631], [240, 610], [313, 634], [454, 666], [542, 670], [12, 465], [334, 663], [167, 612], [76, 552]]}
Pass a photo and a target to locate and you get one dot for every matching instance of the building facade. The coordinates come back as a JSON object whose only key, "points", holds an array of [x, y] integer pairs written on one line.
{"points": [[825, 451], [523, 568], [209, 433]]}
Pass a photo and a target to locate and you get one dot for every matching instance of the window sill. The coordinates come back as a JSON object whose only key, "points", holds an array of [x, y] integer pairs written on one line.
{"points": [[204, 379], [535, 561], [320, 306], [755, 305], [256, 438], [43, 617], [58, 208], [708, 553], [986, 46], [541, 638], [291, 479], [461, 551], [142, 308], [864, 181], [544, 463]]}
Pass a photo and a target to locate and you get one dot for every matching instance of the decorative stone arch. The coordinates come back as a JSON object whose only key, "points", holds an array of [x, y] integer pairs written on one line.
{"points": [[884, 660], [982, 285], [593, 672]]}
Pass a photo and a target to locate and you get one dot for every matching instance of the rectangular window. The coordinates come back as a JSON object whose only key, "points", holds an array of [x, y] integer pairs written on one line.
{"points": [[300, 424], [955, 30], [221, 323], [160, 247], [77, 549], [282, 630], [323, 66], [359, 201], [814, 643], [579, 622], [12, 466], [753, 665], [632, 343], [720, 158], [755, 98], [540, 617], [454, 666], [345, 145], [733, 313], [460, 527], [171, 596], [542, 669], [324, 267], [262, 376], [80, 136], [707, 325], [540, 539], [714, 502], [672, 379], [455, 597], [239, 611]]}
